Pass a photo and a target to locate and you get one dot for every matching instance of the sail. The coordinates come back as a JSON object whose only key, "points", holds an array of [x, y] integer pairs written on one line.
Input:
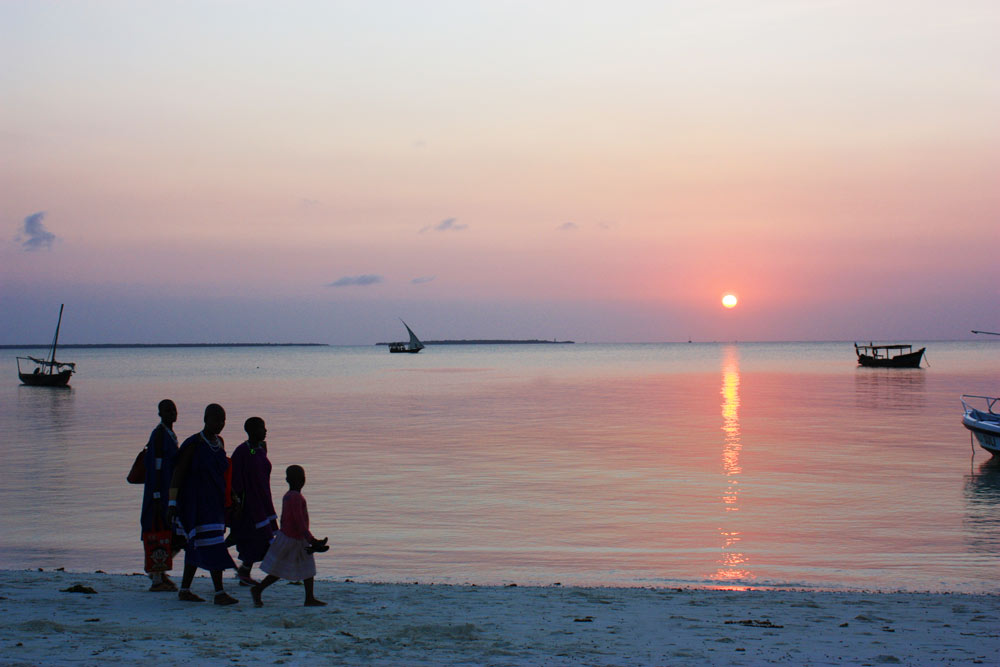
{"points": [[415, 343]]}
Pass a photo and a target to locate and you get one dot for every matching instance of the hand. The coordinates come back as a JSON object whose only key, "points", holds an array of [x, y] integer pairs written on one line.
{"points": [[171, 514], [235, 506]]}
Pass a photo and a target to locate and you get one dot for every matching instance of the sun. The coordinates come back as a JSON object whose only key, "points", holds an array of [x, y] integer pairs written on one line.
{"points": [[730, 301]]}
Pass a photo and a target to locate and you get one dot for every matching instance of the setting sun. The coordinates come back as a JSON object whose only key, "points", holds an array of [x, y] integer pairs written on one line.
{"points": [[729, 301]]}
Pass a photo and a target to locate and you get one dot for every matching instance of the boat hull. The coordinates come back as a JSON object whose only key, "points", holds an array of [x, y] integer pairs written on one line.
{"points": [[46, 379], [404, 350], [986, 429], [908, 360]]}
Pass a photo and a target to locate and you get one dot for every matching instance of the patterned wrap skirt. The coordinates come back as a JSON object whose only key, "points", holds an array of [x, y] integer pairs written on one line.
{"points": [[287, 558]]}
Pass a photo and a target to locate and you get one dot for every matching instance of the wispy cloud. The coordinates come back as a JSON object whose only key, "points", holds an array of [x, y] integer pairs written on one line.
{"points": [[353, 281], [606, 224], [448, 224], [33, 235], [568, 226], [422, 279]]}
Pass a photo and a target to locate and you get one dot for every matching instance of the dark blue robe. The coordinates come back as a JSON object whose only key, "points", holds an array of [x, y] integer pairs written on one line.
{"points": [[201, 505], [158, 474]]}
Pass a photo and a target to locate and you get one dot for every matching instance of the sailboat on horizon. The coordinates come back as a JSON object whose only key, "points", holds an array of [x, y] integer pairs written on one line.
{"points": [[412, 346], [47, 372]]}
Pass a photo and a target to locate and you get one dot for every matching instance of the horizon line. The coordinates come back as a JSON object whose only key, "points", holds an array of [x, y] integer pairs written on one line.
{"points": [[470, 342]]}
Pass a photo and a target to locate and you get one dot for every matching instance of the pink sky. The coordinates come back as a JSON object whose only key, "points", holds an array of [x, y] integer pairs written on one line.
{"points": [[591, 171]]}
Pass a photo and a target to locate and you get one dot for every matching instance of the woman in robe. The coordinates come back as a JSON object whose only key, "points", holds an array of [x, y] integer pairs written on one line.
{"points": [[254, 520], [198, 495], [161, 451]]}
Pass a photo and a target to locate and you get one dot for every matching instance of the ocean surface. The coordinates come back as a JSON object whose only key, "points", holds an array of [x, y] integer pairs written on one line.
{"points": [[710, 465]]}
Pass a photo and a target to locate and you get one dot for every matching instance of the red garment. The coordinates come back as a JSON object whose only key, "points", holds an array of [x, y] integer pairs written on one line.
{"points": [[295, 517], [229, 483]]}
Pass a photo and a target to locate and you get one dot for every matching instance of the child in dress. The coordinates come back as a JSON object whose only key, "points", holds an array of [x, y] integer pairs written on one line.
{"points": [[290, 555]]}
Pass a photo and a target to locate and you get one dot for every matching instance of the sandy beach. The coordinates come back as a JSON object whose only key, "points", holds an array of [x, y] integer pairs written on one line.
{"points": [[43, 622]]}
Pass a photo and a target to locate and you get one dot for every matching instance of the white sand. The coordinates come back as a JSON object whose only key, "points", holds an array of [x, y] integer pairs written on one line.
{"points": [[431, 624]]}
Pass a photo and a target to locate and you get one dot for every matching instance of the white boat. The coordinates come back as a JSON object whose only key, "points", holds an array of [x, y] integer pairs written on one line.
{"points": [[983, 423], [412, 346]]}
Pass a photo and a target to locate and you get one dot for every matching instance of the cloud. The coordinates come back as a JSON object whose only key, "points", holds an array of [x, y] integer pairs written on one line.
{"points": [[34, 236], [568, 226], [448, 224], [422, 279], [351, 281], [607, 224]]}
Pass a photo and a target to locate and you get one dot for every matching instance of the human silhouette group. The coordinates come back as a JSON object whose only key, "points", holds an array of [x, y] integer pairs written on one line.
{"points": [[195, 491]]}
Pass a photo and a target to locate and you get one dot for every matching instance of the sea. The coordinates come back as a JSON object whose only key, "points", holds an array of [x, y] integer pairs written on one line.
{"points": [[713, 465]]}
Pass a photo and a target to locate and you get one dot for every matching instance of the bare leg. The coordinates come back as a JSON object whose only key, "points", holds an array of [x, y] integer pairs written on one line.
{"points": [[256, 590], [243, 573], [188, 576], [221, 597], [185, 593], [311, 600]]}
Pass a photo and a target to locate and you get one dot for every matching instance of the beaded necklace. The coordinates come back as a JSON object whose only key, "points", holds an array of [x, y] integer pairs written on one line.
{"points": [[215, 444]]}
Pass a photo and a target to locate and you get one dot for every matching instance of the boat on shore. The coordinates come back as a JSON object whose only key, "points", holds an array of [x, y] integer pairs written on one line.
{"points": [[47, 372], [411, 346], [888, 356], [983, 423]]}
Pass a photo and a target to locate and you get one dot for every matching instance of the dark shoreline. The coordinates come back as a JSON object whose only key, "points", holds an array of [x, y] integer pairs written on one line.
{"points": [[483, 341], [79, 346]]}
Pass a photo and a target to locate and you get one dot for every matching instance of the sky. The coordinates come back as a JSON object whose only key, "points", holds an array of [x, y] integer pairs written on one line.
{"points": [[593, 171]]}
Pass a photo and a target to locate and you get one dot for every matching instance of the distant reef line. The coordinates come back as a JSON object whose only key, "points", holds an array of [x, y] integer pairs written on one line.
{"points": [[498, 341], [78, 346]]}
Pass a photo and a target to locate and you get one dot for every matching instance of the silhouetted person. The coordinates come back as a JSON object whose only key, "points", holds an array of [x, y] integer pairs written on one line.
{"points": [[198, 490], [291, 554], [161, 453], [253, 519]]}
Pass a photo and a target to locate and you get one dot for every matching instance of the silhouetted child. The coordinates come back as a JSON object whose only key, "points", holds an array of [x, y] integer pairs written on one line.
{"points": [[290, 555]]}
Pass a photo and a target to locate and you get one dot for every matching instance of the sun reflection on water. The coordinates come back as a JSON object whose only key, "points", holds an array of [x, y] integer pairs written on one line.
{"points": [[733, 563]]}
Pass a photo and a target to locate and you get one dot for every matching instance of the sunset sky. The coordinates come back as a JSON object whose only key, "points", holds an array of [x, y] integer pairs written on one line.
{"points": [[595, 171]]}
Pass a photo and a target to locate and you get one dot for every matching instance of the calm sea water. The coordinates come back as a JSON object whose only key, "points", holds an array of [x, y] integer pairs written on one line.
{"points": [[729, 465]]}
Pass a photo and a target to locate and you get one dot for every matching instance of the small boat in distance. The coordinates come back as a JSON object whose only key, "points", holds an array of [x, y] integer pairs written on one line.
{"points": [[888, 356], [47, 372], [984, 424], [412, 346]]}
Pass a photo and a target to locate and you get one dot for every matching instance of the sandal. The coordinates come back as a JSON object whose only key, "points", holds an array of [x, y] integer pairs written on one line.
{"points": [[188, 596], [163, 587], [223, 598]]}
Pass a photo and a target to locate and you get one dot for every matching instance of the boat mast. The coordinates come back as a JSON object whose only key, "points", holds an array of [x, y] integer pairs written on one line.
{"points": [[55, 340]]}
